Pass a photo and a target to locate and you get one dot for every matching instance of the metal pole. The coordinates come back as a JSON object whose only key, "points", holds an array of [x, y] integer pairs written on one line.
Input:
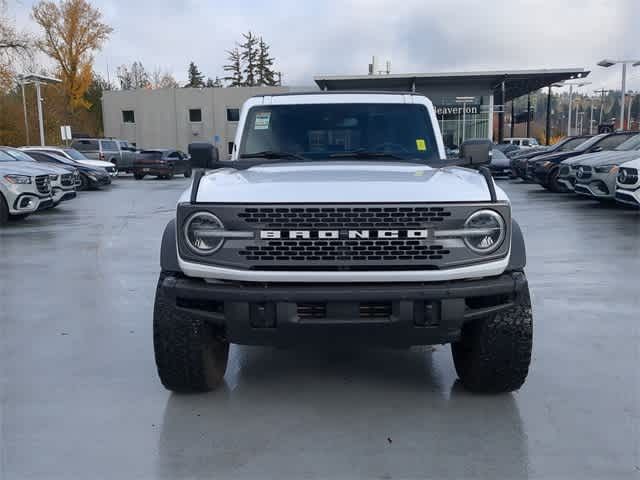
{"points": [[624, 86], [40, 121], [548, 126], [570, 105], [577, 111], [629, 112], [26, 121], [464, 120], [591, 117], [501, 113], [513, 115], [528, 114]]}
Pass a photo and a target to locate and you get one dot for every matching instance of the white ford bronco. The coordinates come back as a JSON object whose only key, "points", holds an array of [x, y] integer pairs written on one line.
{"points": [[338, 218]]}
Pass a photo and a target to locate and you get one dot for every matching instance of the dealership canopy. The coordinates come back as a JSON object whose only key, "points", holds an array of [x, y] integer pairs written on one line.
{"points": [[517, 82]]}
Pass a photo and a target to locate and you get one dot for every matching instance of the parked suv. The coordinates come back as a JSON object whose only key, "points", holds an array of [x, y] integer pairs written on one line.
{"points": [[118, 152], [628, 183], [339, 219], [64, 178], [90, 177], [163, 163], [522, 142], [24, 189], [76, 156]]}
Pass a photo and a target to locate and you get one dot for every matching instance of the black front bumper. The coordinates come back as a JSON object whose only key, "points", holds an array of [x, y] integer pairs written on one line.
{"points": [[384, 314]]}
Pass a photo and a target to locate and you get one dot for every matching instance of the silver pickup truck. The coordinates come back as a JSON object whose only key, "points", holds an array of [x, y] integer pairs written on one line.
{"points": [[119, 152]]}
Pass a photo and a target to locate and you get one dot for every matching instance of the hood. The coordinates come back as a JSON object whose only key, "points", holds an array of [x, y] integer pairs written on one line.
{"points": [[95, 163], [553, 157], [343, 182], [613, 157], [28, 168]]}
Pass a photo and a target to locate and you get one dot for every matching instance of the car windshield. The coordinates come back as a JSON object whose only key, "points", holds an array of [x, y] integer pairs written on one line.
{"points": [[570, 144], [586, 145], [18, 155], [632, 143], [74, 154], [5, 157], [320, 131]]}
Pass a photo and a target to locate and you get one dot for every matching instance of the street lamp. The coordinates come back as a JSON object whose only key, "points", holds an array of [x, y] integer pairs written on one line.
{"points": [[37, 80], [571, 84], [610, 63]]}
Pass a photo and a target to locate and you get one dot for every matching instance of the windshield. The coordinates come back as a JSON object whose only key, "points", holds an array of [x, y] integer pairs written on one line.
{"points": [[74, 154], [585, 145], [5, 157], [18, 155], [318, 131], [632, 143], [571, 143]]}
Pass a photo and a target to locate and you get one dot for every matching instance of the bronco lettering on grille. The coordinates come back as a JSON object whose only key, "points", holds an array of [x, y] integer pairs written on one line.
{"points": [[337, 234]]}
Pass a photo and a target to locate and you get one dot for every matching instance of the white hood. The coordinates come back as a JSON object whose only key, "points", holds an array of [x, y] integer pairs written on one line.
{"points": [[95, 163], [30, 168], [343, 182]]}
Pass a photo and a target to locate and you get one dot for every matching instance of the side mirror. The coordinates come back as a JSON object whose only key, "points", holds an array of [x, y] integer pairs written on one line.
{"points": [[596, 149], [204, 155], [476, 152]]}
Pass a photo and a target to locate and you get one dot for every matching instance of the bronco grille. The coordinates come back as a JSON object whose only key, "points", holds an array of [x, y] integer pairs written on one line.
{"points": [[344, 217], [67, 180], [344, 250], [43, 184]]}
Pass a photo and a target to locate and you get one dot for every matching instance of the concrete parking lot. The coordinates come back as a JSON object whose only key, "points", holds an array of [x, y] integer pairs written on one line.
{"points": [[80, 398]]}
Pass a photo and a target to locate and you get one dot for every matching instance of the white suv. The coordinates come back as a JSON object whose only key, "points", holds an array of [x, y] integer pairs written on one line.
{"points": [[24, 188], [628, 183]]}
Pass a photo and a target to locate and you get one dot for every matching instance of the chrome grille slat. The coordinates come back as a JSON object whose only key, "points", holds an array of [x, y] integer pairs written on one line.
{"points": [[67, 180], [43, 184]]}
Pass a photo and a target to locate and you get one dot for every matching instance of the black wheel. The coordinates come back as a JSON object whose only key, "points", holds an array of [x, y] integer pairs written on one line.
{"points": [[190, 355], [169, 175], [187, 172], [554, 184], [84, 183], [4, 211], [138, 176], [494, 353]]}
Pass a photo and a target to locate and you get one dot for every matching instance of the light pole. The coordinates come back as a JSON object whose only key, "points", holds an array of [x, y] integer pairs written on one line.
{"points": [[571, 84], [593, 101], [610, 63], [38, 80], [630, 94]]}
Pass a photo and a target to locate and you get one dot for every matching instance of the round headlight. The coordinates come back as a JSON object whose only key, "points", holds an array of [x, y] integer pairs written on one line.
{"points": [[486, 231], [202, 233]]}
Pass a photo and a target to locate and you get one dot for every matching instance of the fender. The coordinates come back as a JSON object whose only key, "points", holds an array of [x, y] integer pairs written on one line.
{"points": [[168, 250], [518, 258]]}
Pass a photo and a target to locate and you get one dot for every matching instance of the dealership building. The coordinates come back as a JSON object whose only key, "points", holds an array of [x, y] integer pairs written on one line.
{"points": [[467, 105]]}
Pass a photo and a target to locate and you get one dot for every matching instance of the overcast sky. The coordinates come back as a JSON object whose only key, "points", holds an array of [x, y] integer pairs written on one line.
{"points": [[340, 36]]}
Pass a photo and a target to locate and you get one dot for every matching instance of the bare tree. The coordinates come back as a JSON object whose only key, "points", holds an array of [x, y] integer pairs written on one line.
{"points": [[162, 79], [133, 77], [14, 46]]}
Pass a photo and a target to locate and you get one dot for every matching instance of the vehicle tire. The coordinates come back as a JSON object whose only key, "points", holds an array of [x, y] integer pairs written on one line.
{"points": [[138, 176], [187, 172], [494, 353], [170, 175], [18, 217], [4, 211], [84, 183], [554, 185], [190, 355]]}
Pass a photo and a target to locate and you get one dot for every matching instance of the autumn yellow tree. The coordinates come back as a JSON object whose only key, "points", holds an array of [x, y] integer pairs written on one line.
{"points": [[72, 31]]}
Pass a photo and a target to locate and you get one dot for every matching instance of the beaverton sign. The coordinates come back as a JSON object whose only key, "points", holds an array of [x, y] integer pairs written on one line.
{"points": [[457, 109]]}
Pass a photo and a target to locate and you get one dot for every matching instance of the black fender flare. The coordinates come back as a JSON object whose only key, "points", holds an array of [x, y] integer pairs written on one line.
{"points": [[518, 256], [168, 249]]}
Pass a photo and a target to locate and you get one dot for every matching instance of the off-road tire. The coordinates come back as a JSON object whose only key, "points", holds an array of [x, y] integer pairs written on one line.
{"points": [[190, 355], [494, 353], [4, 211], [138, 176]]}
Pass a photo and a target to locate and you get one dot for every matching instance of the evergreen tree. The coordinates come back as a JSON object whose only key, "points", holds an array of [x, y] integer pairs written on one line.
{"points": [[196, 79], [250, 58], [211, 83], [266, 75], [234, 66]]}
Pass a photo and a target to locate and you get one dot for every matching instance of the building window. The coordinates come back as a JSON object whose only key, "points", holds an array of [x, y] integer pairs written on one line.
{"points": [[128, 116], [195, 115], [230, 148], [233, 114]]}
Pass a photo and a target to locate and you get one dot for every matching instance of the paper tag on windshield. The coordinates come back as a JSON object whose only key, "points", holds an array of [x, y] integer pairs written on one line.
{"points": [[262, 121], [421, 145]]}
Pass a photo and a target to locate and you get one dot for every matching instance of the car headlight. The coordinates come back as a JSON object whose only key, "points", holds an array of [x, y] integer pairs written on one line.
{"points": [[607, 169], [202, 233], [53, 178], [20, 179], [485, 231]]}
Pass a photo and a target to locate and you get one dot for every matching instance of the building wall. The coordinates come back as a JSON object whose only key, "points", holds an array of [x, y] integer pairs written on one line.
{"points": [[162, 116]]}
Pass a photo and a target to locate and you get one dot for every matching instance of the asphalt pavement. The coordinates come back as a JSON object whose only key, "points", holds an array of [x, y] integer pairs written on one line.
{"points": [[80, 398]]}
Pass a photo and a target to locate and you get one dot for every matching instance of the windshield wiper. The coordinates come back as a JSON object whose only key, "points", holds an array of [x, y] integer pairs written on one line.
{"points": [[273, 154], [366, 154]]}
